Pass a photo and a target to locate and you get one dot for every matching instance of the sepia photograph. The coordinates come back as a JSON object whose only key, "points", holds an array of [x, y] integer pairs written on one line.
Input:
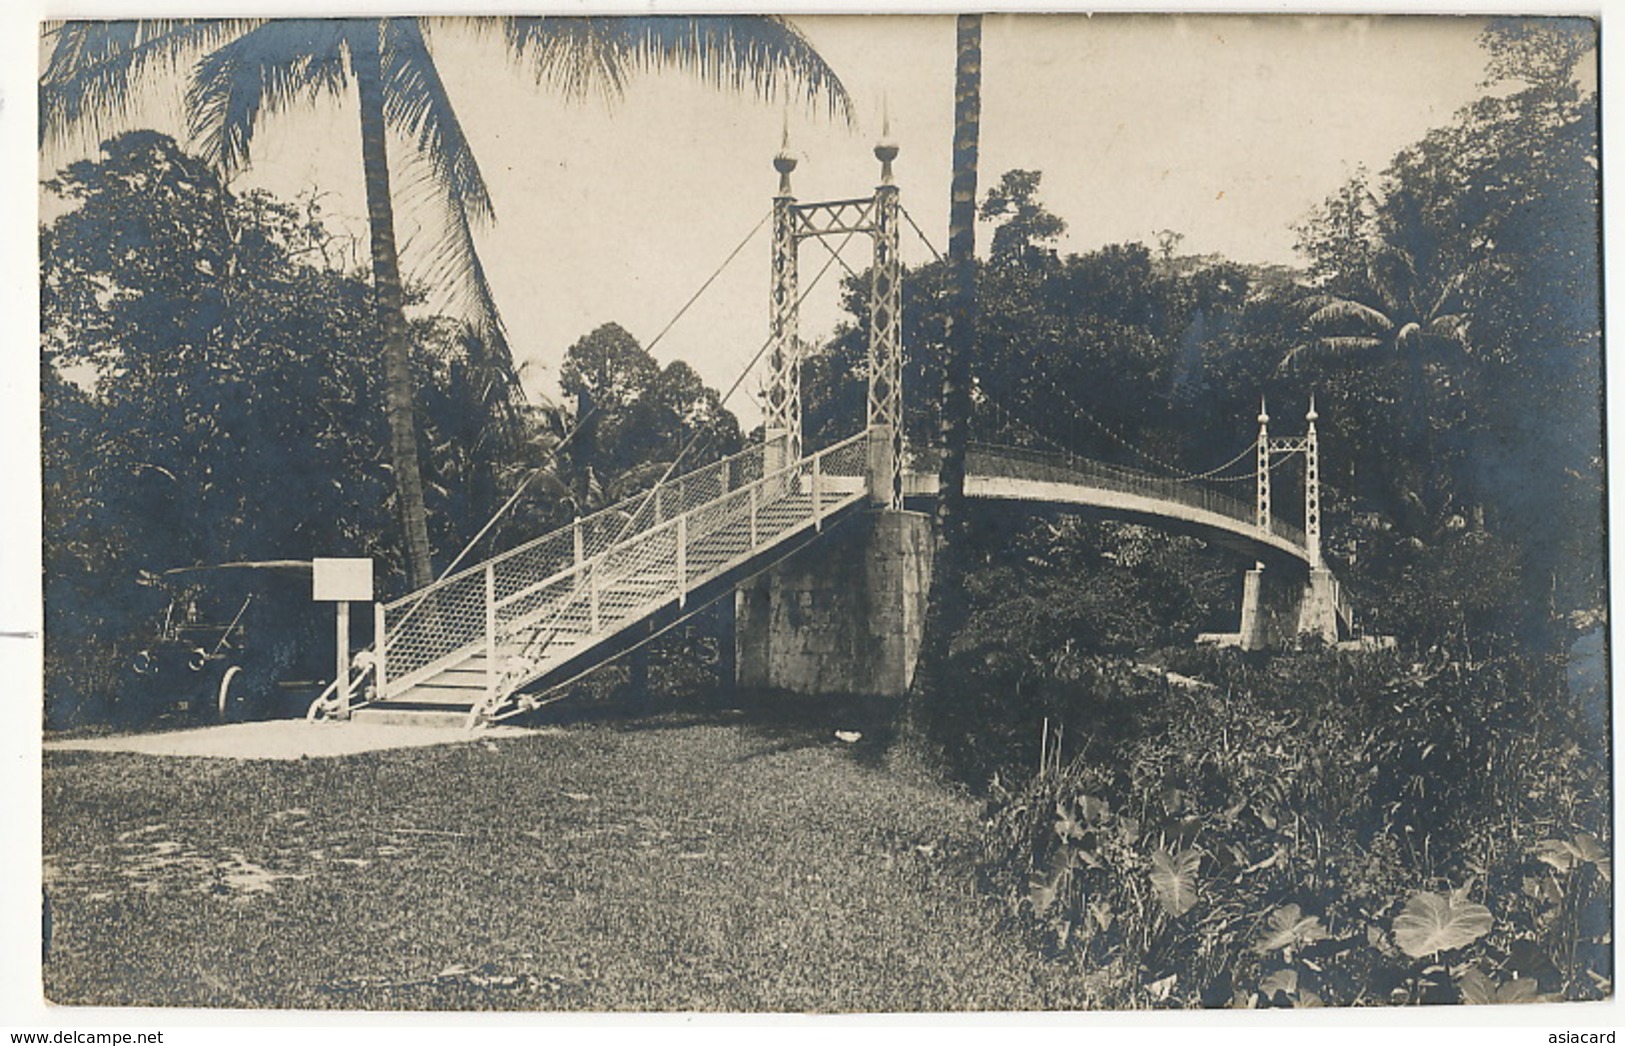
{"points": [[938, 513]]}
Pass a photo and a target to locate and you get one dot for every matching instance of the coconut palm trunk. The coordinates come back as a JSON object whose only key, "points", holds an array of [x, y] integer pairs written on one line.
{"points": [[961, 346], [389, 300], [948, 607]]}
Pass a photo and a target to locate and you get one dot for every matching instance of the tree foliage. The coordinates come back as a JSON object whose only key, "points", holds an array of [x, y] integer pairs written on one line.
{"points": [[1314, 828], [1459, 425], [209, 395], [637, 416], [247, 68], [1027, 225], [1463, 288]]}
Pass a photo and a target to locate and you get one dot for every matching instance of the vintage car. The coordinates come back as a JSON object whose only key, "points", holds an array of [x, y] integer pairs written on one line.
{"points": [[236, 641]]}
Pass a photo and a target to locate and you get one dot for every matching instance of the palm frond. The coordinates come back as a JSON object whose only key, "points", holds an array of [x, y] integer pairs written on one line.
{"points": [[491, 363], [1347, 310], [1392, 274], [1310, 304], [95, 67], [416, 104], [1407, 337], [451, 266], [449, 190], [570, 55], [762, 53], [1452, 326], [1289, 362], [262, 71], [1348, 344], [1351, 345]]}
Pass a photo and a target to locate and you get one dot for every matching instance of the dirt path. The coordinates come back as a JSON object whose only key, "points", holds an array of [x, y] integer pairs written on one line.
{"points": [[654, 867]]}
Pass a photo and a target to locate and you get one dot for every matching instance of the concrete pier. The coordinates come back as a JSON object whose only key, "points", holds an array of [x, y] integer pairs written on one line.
{"points": [[1276, 608], [845, 617]]}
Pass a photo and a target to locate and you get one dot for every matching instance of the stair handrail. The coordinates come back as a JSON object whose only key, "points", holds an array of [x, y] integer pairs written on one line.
{"points": [[544, 634], [364, 663], [635, 503], [637, 511]]}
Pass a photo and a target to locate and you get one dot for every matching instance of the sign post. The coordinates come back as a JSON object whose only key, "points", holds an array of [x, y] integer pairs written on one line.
{"points": [[342, 581]]}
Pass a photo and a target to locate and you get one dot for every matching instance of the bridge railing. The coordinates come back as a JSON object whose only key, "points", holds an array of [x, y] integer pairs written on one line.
{"points": [[650, 542], [1026, 463], [668, 561], [432, 623]]}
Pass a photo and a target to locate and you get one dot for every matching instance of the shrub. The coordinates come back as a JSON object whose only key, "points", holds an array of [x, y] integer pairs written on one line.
{"points": [[1321, 829]]}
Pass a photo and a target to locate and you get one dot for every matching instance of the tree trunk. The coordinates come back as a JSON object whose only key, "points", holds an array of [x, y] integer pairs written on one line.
{"points": [[386, 277], [962, 262], [948, 609]]}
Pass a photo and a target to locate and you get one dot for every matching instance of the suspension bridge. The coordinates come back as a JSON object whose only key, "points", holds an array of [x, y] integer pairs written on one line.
{"points": [[824, 553]]}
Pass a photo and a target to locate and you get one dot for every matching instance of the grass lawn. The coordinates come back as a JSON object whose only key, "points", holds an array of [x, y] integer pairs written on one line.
{"points": [[659, 864]]}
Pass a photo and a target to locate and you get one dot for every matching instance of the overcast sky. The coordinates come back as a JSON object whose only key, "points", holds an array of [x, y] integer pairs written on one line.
{"points": [[1226, 129]]}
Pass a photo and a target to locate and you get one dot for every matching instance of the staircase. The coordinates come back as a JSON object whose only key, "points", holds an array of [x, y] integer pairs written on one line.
{"points": [[471, 646]]}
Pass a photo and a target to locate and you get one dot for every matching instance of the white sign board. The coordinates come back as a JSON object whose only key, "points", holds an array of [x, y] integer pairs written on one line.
{"points": [[341, 580]]}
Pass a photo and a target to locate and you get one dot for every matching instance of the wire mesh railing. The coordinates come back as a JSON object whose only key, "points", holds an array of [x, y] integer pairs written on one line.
{"points": [[428, 625], [604, 570], [705, 539]]}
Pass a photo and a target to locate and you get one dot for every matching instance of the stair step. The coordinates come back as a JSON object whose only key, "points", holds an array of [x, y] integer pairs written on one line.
{"points": [[552, 649], [432, 694], [385, 715], [465, 675]]}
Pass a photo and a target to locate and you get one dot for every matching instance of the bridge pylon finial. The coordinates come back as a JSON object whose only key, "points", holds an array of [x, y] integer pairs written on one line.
{"points": [[886, 148], [1263, 411], [1313, 414], [785, 160]]}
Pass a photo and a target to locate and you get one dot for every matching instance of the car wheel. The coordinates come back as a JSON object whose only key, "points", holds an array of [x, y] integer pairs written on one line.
{"points": [[231, 701]]}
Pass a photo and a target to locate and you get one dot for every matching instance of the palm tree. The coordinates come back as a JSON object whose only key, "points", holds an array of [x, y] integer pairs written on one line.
{"points": [[1412, 318], [948, 608], [1404, 317], [250, 68], [962, 263], [1408, 309]]}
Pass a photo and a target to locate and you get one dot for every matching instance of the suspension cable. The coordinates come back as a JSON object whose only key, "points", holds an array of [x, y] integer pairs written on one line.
{"points": [[549, 630], [921, 234], [708, 281], [1011, 419], [1211, 475], [755, 359], [581, 421]]}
